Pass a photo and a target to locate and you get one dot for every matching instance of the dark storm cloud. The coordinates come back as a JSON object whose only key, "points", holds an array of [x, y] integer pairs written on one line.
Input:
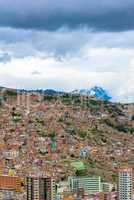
{"points": [[110, 15]]}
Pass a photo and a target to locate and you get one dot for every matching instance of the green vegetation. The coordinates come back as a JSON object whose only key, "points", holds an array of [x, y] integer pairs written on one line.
{"points": [[52, 135], [76, 100], [40, 121], [119, 126], [71, 130], [114, 177], [16, 116], [66, 99], [50, 98], [82, 134], [81, 172], [61, 119], [78, 165], [92, 164], [12, 93]]}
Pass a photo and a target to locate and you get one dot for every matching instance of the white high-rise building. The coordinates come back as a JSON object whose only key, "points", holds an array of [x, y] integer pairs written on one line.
{"points": [[125, 184], [90, 184]]}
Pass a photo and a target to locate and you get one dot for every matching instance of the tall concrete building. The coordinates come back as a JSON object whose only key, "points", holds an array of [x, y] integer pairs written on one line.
{"points": [[90, 184], [40, 188], [125, 184]]}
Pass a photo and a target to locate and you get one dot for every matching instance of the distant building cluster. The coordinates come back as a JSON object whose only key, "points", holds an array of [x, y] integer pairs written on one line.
{"points": [[45, 153], [74, 188]]}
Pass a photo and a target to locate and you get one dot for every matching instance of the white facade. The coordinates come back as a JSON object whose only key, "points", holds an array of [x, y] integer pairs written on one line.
{"points": [[107, 187], [125, 184], [91, 184]]}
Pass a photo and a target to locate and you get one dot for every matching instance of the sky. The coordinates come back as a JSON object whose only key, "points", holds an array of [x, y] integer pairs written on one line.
{"points": [[67, 45]]}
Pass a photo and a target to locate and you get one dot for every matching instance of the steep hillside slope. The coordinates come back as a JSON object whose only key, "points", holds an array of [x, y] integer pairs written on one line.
{"points": [[64, 134]]}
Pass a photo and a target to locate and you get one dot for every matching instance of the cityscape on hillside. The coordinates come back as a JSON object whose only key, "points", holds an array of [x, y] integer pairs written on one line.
{"points": [[66, 100], [58, 146]]}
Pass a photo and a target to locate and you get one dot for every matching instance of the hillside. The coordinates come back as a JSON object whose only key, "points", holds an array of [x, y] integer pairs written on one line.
{"points": [[64, 134]]}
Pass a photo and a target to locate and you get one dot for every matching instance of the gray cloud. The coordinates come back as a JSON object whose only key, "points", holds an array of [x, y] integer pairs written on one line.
{"points": [[109, 15], [63, 42], [5, 57], [24, 43], [35, 73], [80, 58]]}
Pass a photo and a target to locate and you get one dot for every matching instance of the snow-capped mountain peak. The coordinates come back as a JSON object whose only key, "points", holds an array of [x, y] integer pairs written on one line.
{"points": [[96, 91]]}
